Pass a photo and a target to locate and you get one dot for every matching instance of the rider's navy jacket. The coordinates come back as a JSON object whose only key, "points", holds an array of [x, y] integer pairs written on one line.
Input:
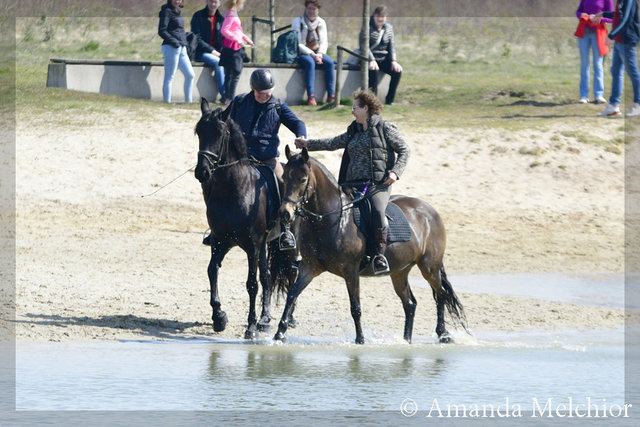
{"points": [[262, 139]]}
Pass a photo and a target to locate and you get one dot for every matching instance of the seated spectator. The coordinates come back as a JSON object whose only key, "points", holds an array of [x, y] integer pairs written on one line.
{"points": [[382, 53], [312, 45], [206, 25]]}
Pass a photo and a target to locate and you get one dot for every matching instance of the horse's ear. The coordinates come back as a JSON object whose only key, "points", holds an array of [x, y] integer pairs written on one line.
{"points": [[287, 152], [204, 105], [225, 114], [305, 155]]}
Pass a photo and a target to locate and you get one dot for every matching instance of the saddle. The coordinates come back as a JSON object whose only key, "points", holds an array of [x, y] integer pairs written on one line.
{"points": [[274, 194], [398, 230]]}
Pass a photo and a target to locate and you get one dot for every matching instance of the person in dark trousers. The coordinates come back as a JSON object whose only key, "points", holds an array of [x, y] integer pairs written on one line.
{"points": [[174, 49], [375, 155], [206, 25], [260, 115], [382, 54], [233, 43], [626, 34]]}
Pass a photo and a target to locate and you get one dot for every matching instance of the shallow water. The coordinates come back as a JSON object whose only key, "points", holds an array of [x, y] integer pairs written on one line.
{"points": [[574, 288], [326, 374], [322, 374]]}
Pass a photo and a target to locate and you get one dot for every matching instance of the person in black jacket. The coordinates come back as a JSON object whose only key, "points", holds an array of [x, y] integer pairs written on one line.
{"points": [[626, 33], [206, 24], [174, 49]]}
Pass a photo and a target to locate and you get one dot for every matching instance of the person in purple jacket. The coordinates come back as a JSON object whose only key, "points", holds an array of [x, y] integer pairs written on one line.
{"points": [[590, 43]]}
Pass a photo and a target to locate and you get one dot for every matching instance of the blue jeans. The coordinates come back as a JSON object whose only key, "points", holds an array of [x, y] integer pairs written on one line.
{"points": [[213, 62], [624, 56], [175, 58], [310, 73], [590, 43]]}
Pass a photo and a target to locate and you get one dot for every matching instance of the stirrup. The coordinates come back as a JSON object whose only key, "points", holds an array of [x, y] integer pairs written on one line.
{"points": [[383, 270], [287, 240]]}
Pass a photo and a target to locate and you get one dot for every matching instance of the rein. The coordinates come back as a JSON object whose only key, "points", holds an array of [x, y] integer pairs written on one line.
{"points": [[214, 160], [304, 199]]}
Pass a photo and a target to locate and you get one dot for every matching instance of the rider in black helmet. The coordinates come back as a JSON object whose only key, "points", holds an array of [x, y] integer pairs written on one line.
{"points": [[260, 114]]}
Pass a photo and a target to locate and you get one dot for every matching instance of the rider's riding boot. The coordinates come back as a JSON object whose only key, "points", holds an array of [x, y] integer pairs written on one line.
{"points": [[380, 264], [287, 239]]}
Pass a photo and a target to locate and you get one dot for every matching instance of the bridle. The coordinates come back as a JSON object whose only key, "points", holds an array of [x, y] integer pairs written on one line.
{"points": [[213, 159]]}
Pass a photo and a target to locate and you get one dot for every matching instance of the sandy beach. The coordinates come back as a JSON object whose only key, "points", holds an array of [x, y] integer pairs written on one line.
{"points": [[95, 260]]}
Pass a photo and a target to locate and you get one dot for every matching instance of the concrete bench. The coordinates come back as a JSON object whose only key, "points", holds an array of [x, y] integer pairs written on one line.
{"points": [[143, 79]]}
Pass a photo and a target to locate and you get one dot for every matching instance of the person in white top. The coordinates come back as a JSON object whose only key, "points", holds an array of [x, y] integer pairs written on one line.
{"points": [[312, 46]]}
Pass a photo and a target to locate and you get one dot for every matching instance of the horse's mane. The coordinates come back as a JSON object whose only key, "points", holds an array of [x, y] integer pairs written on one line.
{"points": [[211, 123], [332, 179]]}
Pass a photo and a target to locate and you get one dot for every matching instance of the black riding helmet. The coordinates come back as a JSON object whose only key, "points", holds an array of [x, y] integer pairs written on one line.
{"points": [[262, 80]]}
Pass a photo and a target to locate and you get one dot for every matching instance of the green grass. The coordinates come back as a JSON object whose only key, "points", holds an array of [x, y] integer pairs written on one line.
{"points": [[471, 83]]}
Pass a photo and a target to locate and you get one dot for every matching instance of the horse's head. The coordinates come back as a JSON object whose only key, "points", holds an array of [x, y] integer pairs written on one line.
{"points": [[213, 134], [297, 184]]}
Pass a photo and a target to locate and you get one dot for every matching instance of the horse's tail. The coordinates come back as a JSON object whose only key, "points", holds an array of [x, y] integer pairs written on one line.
{"points": [[451, 301], [282, 268]]}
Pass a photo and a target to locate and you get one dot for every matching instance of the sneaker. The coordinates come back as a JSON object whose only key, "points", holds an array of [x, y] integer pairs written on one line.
{"points": [[584, 100], [312, 100], [600, 100], [634, 111], [610, 110], [330, 99]]}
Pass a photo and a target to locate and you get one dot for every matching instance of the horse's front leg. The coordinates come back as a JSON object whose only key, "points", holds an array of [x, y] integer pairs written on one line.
{"points": [[252, 289], [352, 280], [305, 276], [218, 252], [265, 280]]}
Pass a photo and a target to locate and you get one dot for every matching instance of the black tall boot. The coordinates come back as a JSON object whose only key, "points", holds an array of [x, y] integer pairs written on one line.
{"points": [[380, 263]]}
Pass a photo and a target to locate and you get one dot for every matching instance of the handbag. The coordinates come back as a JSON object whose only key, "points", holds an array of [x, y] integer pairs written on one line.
{"points": [[354, 60]]}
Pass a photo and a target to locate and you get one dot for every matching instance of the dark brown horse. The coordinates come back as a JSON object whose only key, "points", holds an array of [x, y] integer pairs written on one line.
{"points": [[237, 203], [329, 240]]}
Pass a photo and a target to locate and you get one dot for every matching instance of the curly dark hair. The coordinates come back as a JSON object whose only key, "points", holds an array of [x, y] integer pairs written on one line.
{"points": [[368, 98]]}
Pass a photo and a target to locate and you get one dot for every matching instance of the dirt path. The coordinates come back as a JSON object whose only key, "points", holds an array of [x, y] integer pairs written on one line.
{"points": [[97, 261]]}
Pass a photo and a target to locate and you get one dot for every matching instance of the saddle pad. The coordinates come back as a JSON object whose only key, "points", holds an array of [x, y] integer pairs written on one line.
{"points": [[398, 231]]}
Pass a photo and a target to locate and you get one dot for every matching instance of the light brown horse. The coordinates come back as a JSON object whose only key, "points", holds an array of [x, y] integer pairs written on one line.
{"points": [[329, 240]]}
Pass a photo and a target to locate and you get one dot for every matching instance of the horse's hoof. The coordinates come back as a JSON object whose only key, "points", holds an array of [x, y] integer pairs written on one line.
{"points": [[279, 337], [220, 321], [359, 340], [263, 324], [292, 323], [446, 338], [251, 335]]}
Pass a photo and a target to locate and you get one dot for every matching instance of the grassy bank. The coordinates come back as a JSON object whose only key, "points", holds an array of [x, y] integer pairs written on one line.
{"points": [[511, 73]]}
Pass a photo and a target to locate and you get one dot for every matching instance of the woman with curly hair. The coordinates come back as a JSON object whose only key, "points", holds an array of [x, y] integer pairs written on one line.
{"points": [[374, 158]]}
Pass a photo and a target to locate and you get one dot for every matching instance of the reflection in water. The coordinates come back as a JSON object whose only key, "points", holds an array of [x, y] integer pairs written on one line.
{"points": [[326, 377]]}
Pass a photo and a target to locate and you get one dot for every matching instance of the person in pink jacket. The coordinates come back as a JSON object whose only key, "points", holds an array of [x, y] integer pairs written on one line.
{"points": [[233, 43]]}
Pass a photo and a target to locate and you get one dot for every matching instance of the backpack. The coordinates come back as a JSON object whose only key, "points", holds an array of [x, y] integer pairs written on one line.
{"points": [[286, 50], [192, 45]]}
